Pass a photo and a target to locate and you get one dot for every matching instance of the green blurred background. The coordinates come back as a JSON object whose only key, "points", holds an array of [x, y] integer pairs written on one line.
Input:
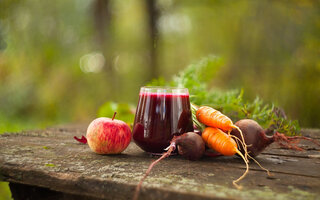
{"points": [[61, 60]]}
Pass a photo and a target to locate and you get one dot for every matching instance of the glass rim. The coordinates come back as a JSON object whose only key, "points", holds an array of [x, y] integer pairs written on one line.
{"points": [[164, 90]]}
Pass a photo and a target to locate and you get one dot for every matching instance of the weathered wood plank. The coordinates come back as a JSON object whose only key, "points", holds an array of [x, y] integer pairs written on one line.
{"points": [[52, 159]]}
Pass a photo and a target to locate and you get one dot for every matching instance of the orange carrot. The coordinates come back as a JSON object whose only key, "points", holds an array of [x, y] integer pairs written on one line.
{"points": [[214, 118], [211, 117], [224, 144]]}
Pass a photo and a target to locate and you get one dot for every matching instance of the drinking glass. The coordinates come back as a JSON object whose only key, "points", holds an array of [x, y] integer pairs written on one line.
{"points": [[162, 112]]}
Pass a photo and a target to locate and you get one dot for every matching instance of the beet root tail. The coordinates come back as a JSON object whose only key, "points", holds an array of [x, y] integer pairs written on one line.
{"points": [[291, 142], [170, 149]]}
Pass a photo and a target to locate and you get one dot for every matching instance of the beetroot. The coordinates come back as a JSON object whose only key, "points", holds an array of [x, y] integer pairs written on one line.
{"points": [[254, 136], [190, 145], [257, 139]]}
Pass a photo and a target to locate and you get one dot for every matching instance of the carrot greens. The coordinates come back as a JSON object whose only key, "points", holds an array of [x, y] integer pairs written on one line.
{"points": [[197, 78]]}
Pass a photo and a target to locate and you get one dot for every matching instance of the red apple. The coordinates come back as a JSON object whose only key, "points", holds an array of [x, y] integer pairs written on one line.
{"points": [[108, 136]]}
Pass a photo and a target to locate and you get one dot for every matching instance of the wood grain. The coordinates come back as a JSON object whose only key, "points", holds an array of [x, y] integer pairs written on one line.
{"points": [[52, 159]]}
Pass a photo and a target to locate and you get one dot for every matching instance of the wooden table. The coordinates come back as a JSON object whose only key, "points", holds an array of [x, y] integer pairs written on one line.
{"points": [[50, 164]]}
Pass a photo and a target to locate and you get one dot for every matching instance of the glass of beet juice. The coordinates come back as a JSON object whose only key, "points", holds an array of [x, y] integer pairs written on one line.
{"points": [[162, 112]]}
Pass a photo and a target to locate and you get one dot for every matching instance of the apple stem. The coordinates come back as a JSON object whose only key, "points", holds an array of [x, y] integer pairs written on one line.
{"points": [[114, 115]]}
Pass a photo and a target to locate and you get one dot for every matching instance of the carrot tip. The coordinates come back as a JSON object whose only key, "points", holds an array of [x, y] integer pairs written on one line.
{"points": [[268, 172], [239, 187]]}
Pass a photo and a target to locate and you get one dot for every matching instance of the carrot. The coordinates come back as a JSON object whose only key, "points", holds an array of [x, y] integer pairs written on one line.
{"points": [[214, 118], [223, 143]]}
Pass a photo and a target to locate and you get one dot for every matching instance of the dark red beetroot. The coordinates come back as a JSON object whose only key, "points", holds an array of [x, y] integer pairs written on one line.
{"points": [[257, 139], [190, 145], [254, 136]]}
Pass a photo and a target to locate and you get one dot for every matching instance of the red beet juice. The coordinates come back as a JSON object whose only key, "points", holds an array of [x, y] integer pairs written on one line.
{"points": [[161, 113]]}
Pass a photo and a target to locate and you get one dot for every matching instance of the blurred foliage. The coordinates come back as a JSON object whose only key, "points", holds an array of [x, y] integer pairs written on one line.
{"points": [[125, 112], [54, 68], [5, 193], [18, 124]]}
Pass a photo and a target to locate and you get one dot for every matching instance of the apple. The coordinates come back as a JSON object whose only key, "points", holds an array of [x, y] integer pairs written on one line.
{"points": [[108, 136]]}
